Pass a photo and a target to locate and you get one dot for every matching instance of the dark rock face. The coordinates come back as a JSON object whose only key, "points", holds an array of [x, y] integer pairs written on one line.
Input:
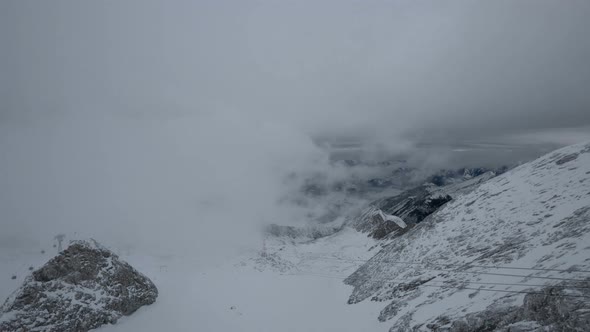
{"points": [[414, 205], [82, 288], [567, 158], [411, 206]]}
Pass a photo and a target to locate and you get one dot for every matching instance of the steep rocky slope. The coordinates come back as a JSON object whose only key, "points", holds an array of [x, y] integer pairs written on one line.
{"points": [[483, 252], [412, 206]]}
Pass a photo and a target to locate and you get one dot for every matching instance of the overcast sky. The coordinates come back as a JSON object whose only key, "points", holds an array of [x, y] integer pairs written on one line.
{"points": [[324, 66], [144, 119]]}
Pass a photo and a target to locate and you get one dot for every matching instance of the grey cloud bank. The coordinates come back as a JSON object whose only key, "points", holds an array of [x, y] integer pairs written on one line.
{"points": [[144, 119], [326, 66]]}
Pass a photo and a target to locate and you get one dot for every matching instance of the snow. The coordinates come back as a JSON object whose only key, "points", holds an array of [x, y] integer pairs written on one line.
{"points": [[388, 217], [535, 216], [239, 294], [262, 301], [242, 295], [534, 213]]}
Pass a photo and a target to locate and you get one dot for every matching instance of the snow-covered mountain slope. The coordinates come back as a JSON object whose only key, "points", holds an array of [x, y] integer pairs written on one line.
{"points": [[514, 234]]}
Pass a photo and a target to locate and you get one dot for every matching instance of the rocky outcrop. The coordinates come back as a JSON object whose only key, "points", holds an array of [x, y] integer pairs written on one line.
{"points": [[82, 288]]}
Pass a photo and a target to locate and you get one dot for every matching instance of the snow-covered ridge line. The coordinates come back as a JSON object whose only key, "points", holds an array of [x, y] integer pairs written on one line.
{"points": [[536, 215], [411, 206]]}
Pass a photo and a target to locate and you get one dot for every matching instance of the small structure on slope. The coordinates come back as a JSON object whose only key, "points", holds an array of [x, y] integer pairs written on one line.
{"points": [[82, 288]]}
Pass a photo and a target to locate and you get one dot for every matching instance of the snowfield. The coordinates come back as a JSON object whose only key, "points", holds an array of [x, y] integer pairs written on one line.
{"points": [[254, 293], [246, 293]]}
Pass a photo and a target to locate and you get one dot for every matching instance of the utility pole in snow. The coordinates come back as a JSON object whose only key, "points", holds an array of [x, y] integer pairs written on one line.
{"points": [[59, 238]]}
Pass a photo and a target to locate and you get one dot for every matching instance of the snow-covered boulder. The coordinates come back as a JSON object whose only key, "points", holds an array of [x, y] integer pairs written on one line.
{"points": [[82, 288]]}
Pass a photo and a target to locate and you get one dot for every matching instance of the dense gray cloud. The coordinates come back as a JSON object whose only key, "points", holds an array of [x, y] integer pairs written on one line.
{"points": [[168, 115], [324, 66]]}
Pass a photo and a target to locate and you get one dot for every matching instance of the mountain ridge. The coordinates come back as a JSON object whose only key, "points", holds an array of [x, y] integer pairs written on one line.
{"points": [[536, 215]]}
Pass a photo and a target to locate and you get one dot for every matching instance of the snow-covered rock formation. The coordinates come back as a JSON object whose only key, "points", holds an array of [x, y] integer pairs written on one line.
{"points": [[412, 206], [82, 288], [517, 239]]}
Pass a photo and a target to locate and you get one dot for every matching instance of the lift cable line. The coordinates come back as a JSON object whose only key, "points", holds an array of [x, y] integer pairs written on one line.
{"points": [[467, 265], [469, 288], [447, 281]]}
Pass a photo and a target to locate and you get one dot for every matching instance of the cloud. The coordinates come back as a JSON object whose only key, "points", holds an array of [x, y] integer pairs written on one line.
{"points": [[325, 67], [181, 185], [172, 120]]}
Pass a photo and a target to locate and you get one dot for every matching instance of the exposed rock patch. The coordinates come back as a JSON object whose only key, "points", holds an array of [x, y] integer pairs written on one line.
{"points": [[567, 158]]}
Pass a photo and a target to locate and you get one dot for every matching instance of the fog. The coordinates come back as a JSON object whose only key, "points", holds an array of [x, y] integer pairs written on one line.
{"points": [[172, 125]]}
